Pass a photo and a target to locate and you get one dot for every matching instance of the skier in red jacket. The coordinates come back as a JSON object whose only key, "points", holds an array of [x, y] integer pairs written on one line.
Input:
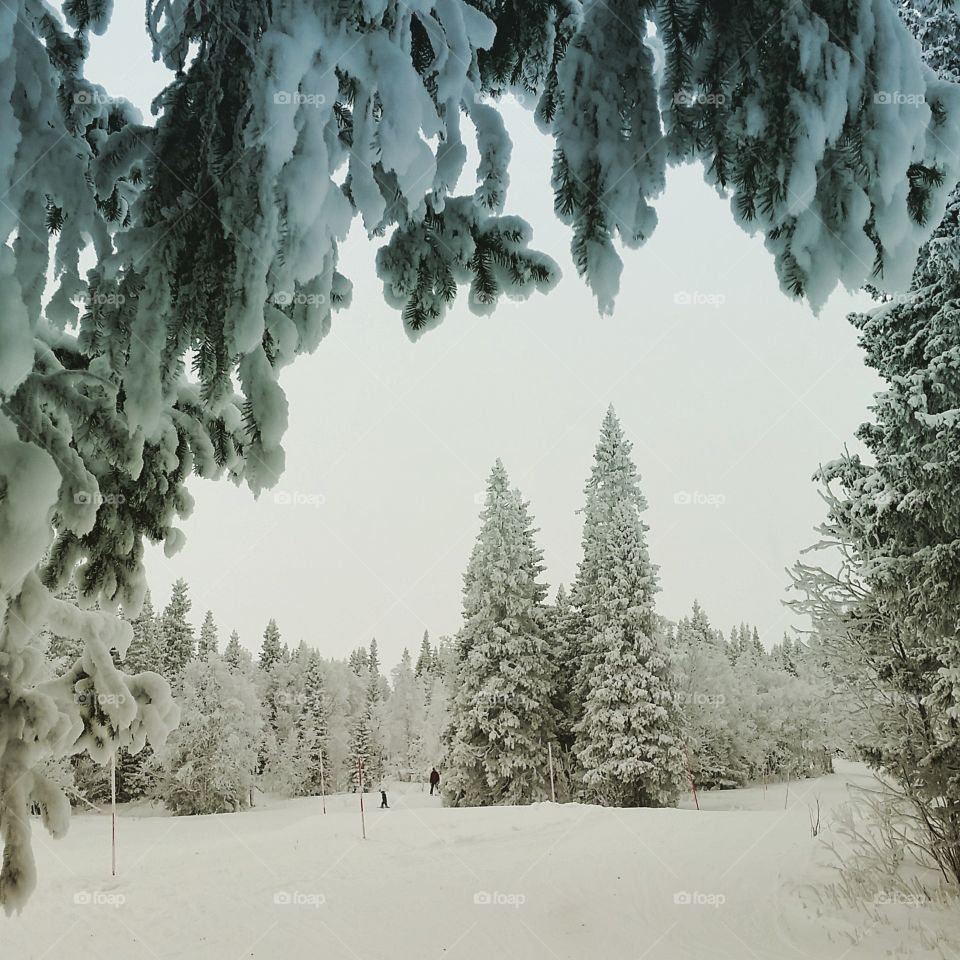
{"points": [[434, 781]]}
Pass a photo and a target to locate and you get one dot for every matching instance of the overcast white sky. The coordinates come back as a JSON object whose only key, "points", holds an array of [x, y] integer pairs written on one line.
{"points": [[730, 405]]}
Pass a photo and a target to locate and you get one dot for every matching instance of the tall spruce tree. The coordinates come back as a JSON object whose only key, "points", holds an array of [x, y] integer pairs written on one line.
{"points": [[145, 651], [405, 719], [233, 652], [564, 653], [207, 643], [313, 730], [501, 715], [374, 714], [361, 750], [715, 730], [271, 651], [176, 632], [136, 773], [425, 657], [359, 661], [628, 737]]}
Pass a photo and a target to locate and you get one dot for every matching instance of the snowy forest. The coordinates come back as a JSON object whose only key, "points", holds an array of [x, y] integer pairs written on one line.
{"points": [[694, 708], [160, 275]]}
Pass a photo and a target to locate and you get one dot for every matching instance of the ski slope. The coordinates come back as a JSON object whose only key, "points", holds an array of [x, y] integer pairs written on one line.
{"points": [[728, 882]]}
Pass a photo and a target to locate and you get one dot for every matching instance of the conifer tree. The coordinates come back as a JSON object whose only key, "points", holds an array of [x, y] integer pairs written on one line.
{"points": [[405, 719], [360, 750], [313, 730], [232, 653], [136, 772], [715, 732], [501, 716], [425, 658], [373, 710], [564, 654], [176, 632], [359, 661], [207, 765], [207, 643], [271, 652], [145, 651], [628, 737]]}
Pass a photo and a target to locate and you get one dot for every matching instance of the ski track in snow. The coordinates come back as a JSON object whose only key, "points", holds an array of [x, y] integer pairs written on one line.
{"points": [[564, 881]]}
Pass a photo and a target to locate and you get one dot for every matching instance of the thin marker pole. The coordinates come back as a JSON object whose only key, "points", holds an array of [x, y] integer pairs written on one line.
{"points": [[693, 786], [363, 822], [323, 788], [113, 814], [553, 792]]}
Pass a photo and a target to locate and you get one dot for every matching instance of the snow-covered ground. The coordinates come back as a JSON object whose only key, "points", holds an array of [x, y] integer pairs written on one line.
{"points": [[729, 882]]}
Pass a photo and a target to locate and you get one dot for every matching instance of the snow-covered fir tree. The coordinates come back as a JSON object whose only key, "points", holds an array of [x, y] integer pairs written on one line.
{"points": [[271, 651], [628, 737], [426, 657], [207, 765], [146, 647], [564, 651], [404, 721], [373, 712], [436, 720], [501, 712], [313, 758], [233, 652], [886, 607], [360, 661], [361, 752], [715, 726], [177, 643], [207, 643]]}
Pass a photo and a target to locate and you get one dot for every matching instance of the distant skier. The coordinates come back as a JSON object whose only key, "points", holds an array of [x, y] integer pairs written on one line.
{"points": [[434, 781], [383, 800]]}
